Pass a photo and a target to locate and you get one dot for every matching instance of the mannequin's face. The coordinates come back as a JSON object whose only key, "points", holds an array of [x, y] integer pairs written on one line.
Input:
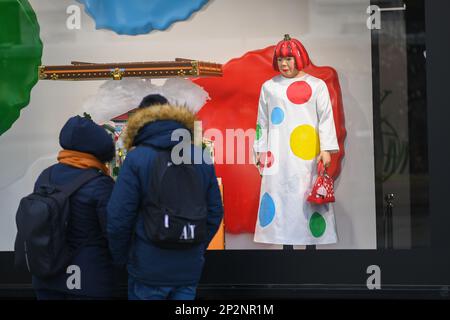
{"points": [[287, 67]]}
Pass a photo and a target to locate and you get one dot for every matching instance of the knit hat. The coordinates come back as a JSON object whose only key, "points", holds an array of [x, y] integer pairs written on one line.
{"points": [[152, 99]]}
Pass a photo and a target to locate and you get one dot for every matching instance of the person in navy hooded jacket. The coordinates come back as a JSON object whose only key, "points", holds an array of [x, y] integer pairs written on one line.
{"points": [[155, 273], [86, 145]]}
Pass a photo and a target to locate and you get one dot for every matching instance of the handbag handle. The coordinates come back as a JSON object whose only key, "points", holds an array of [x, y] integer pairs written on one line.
{"points": [[321, 170]]}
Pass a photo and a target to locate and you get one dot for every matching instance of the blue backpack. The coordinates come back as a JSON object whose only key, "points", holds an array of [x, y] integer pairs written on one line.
{"points": [[175, 209], [42, 219]]}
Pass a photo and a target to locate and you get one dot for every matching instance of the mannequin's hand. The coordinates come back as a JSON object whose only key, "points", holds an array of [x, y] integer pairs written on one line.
{"points": [[325, 157], [258, 162], [258, 159]]}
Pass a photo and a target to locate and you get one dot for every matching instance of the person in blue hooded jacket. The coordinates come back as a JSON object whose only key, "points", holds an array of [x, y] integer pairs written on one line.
{"points": [[155, 273], [86, 145]]}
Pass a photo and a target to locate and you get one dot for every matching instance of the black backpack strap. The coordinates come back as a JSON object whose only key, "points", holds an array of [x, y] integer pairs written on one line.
{"points": [[159, 152], [82, 179]]}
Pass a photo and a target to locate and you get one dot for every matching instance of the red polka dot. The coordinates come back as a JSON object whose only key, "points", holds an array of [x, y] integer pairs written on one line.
{"points": [[299, 92], [267, 159]]}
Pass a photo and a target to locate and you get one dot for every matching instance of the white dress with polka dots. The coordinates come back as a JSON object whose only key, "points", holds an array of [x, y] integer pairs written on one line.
{"points": [[295, 121]]}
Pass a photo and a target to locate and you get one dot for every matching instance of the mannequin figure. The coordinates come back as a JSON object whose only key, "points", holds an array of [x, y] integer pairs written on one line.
{"points": [[295, 129]]}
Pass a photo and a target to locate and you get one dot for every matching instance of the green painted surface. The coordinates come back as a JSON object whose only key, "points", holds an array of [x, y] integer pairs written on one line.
{"points": [[20, 57]]}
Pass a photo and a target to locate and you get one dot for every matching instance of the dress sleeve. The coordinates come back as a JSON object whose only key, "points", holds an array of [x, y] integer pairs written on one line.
{"points": [[327, 129], [262, 124]]}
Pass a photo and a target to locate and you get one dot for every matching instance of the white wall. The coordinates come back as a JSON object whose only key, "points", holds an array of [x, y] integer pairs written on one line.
{"points": [[334, 33]]}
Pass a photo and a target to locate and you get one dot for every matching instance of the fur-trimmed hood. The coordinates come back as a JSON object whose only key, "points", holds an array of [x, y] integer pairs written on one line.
{"points": [[142, 117]]}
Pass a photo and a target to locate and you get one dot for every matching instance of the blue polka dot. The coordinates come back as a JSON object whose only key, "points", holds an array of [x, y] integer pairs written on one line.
{"points": [[277, 116], [266, 210]]}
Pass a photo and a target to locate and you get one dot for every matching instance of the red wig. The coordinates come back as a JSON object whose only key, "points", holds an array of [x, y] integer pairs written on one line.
{"points": [[291, 48]]}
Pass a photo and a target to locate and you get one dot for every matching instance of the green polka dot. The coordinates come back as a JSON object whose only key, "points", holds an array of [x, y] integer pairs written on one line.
{"points": [[317, 225], [258, 132]]}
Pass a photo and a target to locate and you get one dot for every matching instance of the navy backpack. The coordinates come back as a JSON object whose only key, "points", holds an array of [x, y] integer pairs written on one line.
{"points": [[42, 219], [175, 209]]}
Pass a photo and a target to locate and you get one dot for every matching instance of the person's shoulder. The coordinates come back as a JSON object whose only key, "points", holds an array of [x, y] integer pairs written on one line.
{"points": [[39, 179], [104, 186], [202, 159], [269, 85], [271, 81], [137, 154], [318, 82], [105, 180], [200, 156], [98, 185]]}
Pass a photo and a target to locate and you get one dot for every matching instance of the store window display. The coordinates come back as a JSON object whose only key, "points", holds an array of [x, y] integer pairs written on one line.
{"points": [[383, 87]]}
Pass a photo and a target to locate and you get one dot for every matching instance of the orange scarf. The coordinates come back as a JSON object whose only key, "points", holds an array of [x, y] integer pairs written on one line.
{"points": [[81, 160]]}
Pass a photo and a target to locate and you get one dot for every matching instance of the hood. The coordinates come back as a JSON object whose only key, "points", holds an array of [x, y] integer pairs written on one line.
{"points": [[154, 125], [84, 135]]}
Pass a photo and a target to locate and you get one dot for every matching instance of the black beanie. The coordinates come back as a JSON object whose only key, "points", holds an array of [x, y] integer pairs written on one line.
{"points": [[152, 99]]}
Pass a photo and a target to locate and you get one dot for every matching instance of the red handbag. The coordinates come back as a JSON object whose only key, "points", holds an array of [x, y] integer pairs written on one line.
{"points": [[323, 189]]}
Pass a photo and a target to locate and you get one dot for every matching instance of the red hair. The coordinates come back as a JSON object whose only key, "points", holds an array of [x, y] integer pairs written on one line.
{"points": [[291, 48]]}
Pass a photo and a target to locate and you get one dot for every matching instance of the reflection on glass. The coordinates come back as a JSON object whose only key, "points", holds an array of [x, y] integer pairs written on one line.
{"points": [[400, 125]]}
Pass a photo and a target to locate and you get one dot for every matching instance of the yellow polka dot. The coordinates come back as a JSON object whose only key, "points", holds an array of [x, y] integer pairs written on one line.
{"points": [[305, 142]]}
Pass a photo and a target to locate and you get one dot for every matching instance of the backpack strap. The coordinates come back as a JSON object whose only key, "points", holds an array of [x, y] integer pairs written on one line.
{"points": [[82, 179], [161, 171], [159, 151]]}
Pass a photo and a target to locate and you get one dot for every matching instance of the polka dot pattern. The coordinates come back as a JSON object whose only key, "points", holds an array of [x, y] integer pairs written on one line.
{"points": [[258, 132], [317, 225], [299, 92], [304, 142], [266, 210], [277, 116], [267, 159]]}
